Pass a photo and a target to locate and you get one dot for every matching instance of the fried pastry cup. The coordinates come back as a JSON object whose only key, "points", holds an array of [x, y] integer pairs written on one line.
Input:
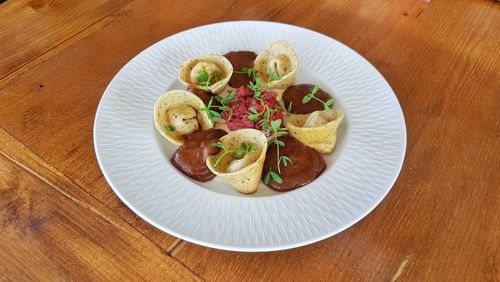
{"points": [[209, 73], [317, 130], [177, 113], [243, 173], [280, 59]]}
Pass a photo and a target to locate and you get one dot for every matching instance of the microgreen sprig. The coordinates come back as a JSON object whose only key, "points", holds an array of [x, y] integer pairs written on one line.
{"points": [[311, 95], [273, 126], [250, 72], [208, 108], [272, 75], [256, 88], [205, 79], [245, 149], [226, 100], [210, 113], [277, 130], [288, 109]]}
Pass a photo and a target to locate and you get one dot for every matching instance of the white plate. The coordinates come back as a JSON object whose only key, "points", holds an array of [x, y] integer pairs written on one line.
{"points": [[136, 160]]}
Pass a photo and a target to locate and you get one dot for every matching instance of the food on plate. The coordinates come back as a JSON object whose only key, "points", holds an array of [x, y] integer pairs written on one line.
{"points": [[242, 120], [190, 158], [247, 110], [240, 159], [177, 114], [312, 119], [317, 130], [295, 94], [205, 96], [306, 165], [242, 62], [277, 65], [209, 73]]}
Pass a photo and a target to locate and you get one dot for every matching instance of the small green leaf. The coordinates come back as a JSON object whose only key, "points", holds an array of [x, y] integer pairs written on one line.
{"points": [[218, 144], [218, 98], [257, 83], [330, 102], [285, 160], [215, 114], [276, 124], [266, 115], [252, 73], [276, 177], [281, 106], [267, 178], [169, 128], [253, 110], [290, 107], [280, 143], [306, 99], [238, 154], [272, 75], [314, 90], [202, 77], [253, 117]]}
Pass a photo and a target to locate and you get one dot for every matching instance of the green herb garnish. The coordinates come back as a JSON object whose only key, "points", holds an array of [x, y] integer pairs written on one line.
{"points": [[169, 128], [277, 130], [226, 100], [210, 113], [251, 72], [208, 108], [272, 75], [253, 115], [272, 126], [326, 105], [256, 88], [282, 107], [245, 149], [206, 80]]}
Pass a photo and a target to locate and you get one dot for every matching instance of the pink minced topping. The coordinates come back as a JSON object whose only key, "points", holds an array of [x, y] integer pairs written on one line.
{"points": [[240, 109]]}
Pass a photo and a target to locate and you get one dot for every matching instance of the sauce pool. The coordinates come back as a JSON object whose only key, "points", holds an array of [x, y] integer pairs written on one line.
{"points": [[190, 158], [307, 164]]}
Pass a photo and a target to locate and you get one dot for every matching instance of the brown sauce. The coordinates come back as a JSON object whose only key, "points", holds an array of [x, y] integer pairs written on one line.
{"points": [[190, 158], [307, 164], [203, 95], [240, 60], [295, 93]]}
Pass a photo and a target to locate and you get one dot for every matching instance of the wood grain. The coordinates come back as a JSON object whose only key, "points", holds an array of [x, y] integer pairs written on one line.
{"points": [[52, 232], [29, 28], [441, 219]]}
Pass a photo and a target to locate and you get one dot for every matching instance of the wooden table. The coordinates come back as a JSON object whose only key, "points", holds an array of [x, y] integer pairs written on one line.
{"points": [[60, 220]]}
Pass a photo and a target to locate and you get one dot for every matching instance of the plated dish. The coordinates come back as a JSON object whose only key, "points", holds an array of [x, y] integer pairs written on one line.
{"points": [[135, 158], [241, 119]]}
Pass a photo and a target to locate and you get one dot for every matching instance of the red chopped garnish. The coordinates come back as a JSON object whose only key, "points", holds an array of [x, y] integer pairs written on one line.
{"points": [[239, 117]]}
